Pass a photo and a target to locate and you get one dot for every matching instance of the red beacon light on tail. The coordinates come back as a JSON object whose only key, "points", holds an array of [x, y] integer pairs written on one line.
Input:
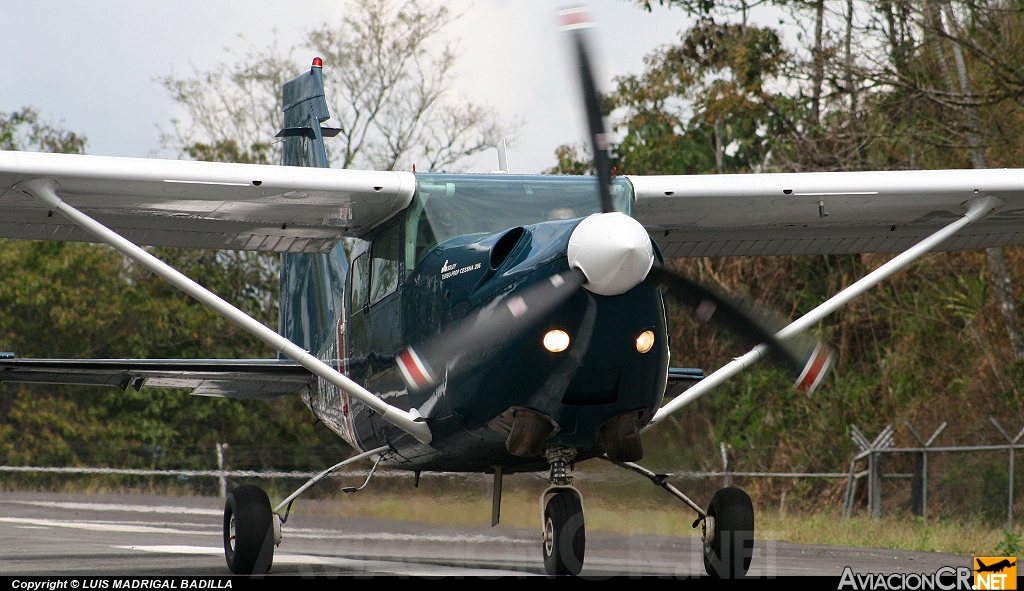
{"points": [[318, 63]]}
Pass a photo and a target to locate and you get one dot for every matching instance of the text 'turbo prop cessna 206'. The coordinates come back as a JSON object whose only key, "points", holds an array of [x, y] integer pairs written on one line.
{"points": [[489, 323]]}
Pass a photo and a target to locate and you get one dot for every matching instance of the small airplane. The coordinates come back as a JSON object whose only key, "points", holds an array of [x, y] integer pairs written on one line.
{"points": [[995, 567], [490, 323]]}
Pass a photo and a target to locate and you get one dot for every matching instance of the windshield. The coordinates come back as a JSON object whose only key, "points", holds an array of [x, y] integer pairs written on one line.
{"points": [[449, 205]]}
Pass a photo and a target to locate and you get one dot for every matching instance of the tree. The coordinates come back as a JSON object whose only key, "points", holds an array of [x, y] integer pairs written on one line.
{"points": [[22, 130], [705, 105], [963, 52], [386, 79]]}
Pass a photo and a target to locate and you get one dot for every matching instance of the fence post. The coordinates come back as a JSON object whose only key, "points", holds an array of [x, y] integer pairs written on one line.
{"points": [[919, 486], [220, 470], [1009, 495], [876, 448], [860, 441], [725, 463]]}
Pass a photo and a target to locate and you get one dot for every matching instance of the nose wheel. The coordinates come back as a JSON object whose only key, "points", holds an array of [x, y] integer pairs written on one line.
{"points": [[564, 534]]}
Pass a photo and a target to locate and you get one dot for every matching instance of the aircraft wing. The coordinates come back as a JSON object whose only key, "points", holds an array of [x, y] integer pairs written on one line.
{"points": [[824, 212], [261, 379], [200, 204]]}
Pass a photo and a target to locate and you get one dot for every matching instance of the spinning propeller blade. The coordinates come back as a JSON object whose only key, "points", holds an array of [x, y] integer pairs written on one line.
{"points": [[576, 21], [811, 358]]}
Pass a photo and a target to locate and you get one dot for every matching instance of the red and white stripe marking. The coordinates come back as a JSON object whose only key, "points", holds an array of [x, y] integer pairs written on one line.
{"points": [[817, 367], [576, 17], [415, 372]]}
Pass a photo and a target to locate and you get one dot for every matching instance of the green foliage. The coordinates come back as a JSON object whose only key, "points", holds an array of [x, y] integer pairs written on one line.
{"points": [[703, 105], [1010, 545], [71, 300], [230, 151], [572, 159], [23, 130], [880, 91]]}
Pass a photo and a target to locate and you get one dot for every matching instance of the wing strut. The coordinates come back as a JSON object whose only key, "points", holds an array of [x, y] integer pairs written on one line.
{"points": [[45, 191], [977, 208]]}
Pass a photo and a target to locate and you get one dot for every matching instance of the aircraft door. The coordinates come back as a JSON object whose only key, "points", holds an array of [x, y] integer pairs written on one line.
{"points": [[357, 302], [384, 317]]}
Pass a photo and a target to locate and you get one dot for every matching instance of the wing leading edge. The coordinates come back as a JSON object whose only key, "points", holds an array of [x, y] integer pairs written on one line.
{"points": [[294, 209], [825, 212], [258, 379], [200, 204]]}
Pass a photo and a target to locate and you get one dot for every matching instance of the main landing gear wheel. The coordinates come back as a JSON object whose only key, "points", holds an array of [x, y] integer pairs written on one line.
{"points": [[248, 531], [565, 536], [729, 534]]}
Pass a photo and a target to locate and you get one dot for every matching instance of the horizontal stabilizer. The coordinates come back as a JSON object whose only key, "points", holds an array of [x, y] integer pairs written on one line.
{"points": [[260, 379], [307, 132]]}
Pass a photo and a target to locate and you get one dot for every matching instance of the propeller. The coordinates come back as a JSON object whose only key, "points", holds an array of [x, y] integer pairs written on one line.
{"points": [[576, 21], [811, 358], [608, 254]]}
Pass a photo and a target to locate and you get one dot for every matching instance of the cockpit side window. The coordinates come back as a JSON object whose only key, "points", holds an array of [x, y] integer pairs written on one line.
{"points": [[359, 286], [385, 263], [419, 237]]}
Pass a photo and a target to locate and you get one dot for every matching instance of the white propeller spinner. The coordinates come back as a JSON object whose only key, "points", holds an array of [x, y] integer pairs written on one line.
{"points": [[613, 250]]}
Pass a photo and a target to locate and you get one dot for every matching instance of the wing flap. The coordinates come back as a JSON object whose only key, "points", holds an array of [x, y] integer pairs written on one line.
{"points": [[201, 204], [824, 213], [261, 379]]}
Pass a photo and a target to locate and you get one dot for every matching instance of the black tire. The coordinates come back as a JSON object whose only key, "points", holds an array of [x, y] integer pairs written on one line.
{"points": [[732, 544], [565, 536], [248, 531]]}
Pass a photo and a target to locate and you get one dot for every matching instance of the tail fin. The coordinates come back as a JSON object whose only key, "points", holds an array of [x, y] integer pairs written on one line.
{"points": [[311, 285], [304, 108]]}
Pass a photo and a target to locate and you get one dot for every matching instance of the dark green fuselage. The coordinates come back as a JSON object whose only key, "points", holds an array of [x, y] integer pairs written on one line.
{"points": [[401, 286], [464, 241]]}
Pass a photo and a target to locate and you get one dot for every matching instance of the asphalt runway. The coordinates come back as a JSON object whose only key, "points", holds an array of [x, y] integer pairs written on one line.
{"points": [[46, 535]]}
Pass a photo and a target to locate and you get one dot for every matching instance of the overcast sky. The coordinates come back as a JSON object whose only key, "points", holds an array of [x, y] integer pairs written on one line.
{"points": [[91, 66]]}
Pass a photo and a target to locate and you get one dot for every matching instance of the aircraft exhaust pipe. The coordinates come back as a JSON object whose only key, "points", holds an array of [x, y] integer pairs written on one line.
{"points": [[529, 432]]}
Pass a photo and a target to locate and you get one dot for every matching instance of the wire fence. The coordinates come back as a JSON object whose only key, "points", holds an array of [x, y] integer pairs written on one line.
{"points": [[876, 463]]}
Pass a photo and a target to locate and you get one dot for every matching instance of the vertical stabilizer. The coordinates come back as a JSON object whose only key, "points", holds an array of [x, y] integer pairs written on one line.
{"points": [[311, 284], [305, 107]]}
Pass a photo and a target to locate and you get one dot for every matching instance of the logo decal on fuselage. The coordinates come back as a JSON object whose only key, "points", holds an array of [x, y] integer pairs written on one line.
{"points": [[452, 269]]}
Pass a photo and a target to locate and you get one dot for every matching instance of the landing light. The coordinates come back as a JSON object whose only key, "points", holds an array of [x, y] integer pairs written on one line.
{"points": [[556, 341], [645, 341]]}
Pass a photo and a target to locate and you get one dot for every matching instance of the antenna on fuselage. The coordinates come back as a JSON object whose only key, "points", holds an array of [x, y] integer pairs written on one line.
{"points": [[502, 157]]}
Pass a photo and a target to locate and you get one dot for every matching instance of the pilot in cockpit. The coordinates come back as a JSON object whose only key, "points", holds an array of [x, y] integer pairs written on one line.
{"points": [[561, 213]]}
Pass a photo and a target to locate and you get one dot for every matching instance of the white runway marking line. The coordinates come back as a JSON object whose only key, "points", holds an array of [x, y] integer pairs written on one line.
{"points": [[297, 533], [319, 534], [387, 566], [116, 507], [108, 526], [177, 549]]}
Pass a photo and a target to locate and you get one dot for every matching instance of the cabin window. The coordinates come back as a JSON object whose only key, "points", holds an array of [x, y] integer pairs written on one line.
{"points": [[385, 263], [450, 205], [360, 274]]}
